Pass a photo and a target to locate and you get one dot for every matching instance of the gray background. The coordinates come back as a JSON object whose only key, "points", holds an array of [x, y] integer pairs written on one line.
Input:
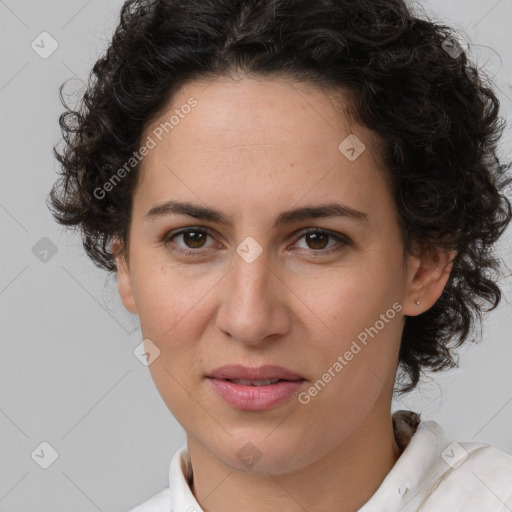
{"points": [[68, 373]]}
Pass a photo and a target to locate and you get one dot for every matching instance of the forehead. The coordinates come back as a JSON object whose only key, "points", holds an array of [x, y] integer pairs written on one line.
{"points": [[249, 132], [270, 111]]}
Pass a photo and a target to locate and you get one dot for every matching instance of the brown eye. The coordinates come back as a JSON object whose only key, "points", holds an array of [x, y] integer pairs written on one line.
{"points": [[194, 239], [322, 241], [317, 240], [191, 238]]}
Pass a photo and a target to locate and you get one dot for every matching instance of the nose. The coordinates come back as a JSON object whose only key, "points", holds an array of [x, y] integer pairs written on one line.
{"points": [[254, 306]]}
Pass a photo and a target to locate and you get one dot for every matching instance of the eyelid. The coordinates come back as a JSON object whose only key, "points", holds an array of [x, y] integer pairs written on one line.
{"points": [[338, 236]]}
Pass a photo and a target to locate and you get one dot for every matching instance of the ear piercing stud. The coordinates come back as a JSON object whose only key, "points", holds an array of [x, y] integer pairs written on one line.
{"points": [[418, 302]]}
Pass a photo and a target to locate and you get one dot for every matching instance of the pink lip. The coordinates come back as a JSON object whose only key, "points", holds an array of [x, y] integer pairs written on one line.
{"points": [[253, 373], [255, 398]]}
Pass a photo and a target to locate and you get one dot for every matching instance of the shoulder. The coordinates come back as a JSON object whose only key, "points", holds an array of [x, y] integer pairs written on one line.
{"points": [[434, 473], [484, 467], [471, 477], [158, 503]]}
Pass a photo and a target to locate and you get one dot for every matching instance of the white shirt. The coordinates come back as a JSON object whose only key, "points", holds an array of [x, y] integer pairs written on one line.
{"points": [[431, 475]]}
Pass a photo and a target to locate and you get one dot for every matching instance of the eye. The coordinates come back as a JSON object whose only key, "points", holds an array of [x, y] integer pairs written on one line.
{"points": [[193, 238], [317, 239]]}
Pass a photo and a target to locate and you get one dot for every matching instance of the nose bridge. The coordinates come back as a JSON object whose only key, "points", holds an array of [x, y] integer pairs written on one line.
{"points": [[250, 309], [250, 277]]}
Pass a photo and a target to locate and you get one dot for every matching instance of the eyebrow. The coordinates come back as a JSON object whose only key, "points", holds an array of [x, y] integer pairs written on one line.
{"points": [[287, 217]]}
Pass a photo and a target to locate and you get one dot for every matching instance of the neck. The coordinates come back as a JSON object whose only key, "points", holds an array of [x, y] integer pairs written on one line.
{"points": [[343, 479]]}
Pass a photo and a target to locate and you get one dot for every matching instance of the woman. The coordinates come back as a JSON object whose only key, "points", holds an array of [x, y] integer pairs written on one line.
{"points": [[299, 199]]}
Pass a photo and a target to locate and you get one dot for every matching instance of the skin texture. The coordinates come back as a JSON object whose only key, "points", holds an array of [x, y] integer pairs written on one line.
{"points": [[254, 148]]}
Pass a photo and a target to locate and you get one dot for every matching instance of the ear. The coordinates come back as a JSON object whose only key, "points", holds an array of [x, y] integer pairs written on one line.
{"points": [[428, 270], [124, 283]]}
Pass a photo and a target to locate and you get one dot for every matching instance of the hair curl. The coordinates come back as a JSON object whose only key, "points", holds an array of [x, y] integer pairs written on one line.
{"points": [[435, 116]]}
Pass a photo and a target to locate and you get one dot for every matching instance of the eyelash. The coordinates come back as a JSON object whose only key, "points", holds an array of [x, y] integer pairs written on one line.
{"points": [[197, 252]]}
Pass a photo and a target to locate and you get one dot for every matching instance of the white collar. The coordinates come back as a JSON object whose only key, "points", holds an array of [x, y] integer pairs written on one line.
{"points": [[419, 466]]}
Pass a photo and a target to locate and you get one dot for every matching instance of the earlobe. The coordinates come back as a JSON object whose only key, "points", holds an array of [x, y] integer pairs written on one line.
{"points": [[124, 284], [429, 273]]}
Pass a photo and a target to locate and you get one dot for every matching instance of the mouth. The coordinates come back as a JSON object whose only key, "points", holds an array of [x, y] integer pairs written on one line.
{"points": [[255, 395], [258, 383], [254, 376]]}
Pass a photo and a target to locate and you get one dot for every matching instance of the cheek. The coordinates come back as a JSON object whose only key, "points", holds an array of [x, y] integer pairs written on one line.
{"points": [[168, 295], [171, 311], [349, 299], [361, 323]]}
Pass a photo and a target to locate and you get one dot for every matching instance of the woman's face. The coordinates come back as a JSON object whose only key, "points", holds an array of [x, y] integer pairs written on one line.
{"points": [[256, 290]]}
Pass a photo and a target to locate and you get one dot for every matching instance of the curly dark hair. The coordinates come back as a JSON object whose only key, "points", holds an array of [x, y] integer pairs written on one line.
{"points": [[435, 115]]}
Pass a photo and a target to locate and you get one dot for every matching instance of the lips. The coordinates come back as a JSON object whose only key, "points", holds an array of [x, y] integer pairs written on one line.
{"points": [[255, 389], [252, 374]]}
